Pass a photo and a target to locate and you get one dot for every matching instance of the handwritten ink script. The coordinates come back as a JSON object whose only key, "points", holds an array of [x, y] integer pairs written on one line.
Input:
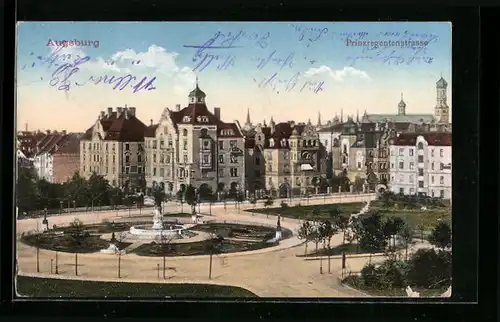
{"points": [[226, 50], [65, 67]]}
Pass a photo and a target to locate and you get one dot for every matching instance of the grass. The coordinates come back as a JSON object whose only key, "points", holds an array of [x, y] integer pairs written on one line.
{"points": [[304, 212], [198, 248], [65, 243], [348, 248], [47, 287], [240, 231], [415, 217], [356, 282]]}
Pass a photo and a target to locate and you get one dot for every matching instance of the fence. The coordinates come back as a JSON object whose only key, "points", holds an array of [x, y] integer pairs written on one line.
{"points": [[64, 211]]}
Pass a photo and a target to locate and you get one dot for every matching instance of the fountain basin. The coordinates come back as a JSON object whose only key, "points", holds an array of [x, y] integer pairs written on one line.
{"points": [[149, 232]]}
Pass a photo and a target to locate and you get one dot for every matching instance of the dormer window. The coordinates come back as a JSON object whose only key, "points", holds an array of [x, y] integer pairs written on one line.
{"points": [[283, 142], [271, 143], [186, 118]]}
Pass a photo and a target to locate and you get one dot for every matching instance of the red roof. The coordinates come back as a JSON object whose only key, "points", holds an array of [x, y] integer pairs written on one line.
{"points": [[123, 129], [198, 114], [283, 130], [28, 142], [432, 138]]}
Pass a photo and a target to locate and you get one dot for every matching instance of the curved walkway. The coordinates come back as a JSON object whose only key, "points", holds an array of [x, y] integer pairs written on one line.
{"points": [[274, 271]]}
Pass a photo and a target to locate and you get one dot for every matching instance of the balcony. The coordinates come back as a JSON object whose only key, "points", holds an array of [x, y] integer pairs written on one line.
{"points": [[234, 150]]}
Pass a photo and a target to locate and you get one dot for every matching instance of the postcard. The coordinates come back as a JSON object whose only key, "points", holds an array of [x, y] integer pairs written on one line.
{"points": [[250, 159]]}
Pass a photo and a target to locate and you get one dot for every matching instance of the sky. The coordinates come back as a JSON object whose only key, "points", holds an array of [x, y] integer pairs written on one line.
{"points": [[287, 70]]}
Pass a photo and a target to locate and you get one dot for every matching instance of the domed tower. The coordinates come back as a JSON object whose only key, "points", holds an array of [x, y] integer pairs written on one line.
{"points": [[442, 110], [402, 106], [197, 96]]}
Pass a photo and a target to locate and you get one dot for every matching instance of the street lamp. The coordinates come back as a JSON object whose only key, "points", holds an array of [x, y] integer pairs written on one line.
{"points": [[61, 206], [74, 205]]}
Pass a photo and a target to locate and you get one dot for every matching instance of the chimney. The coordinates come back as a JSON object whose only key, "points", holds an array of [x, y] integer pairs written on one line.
{"points": [[177, 107], [217, 112], [48, 131], [151, 120], [26, 127], [118, 112], [110, 111], [131, 111], [125, 113]]}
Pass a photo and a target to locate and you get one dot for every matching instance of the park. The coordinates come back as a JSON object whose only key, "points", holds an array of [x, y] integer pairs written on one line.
{"points": [[336, 245]]}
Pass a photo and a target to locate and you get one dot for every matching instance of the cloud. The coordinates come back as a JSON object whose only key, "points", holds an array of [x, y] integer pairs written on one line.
{"points": [[338, 75]]}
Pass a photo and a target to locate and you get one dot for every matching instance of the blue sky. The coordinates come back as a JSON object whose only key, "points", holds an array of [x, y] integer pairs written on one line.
{"points": [[313, 56]]}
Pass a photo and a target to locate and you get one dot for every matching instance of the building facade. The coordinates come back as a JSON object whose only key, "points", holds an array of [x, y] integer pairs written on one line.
{"points": [[113, 147], [193, 146], [420, 163], [284, 158]]}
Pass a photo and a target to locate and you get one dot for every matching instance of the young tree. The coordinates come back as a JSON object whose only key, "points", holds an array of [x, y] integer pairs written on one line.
{"points": [[441, 236], [78, 236], [391, 227], [421, 230], [356, 231], [191, 198], [119, 242], [180, 197], [304, 233], [253, 201], [326, 232], [163, 242], [212, 246], [239, 199], [316, 236], [268, 203], [406, 235], [342, 224], [373, 237]]}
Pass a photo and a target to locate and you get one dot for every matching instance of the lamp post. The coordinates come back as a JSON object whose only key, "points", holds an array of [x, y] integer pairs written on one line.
{"points": [[61, 207], [74, 205]]}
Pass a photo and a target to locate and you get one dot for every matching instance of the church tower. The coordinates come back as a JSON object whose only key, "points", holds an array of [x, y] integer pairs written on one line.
{"points": [[197, 96], [442, 110], [248, 123], [402, 106]]}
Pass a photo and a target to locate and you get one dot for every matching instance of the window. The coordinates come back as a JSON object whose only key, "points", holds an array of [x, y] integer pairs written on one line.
{"points": [[401, 178], [432, 165], [441, 152], [420, 145], [401, 164], [233, 143], [84, 168], [185, 143], [127, 159], [411, 165], [420, 184], [402, 190], [326, 142], [114, 170], [420, 158], [154, 144], [234, 172], [127, 169], [162, 158], [221, 145], [432, 193], [139, 158], [167, 159], [432, 152], [441, 194], [286, 168], [392, 178], [286, 155], [162, 144], [359, 165], [269, 155], [432, 179], [412, 191], [411, 178], [257, 160], [107, 170], [184, 132], [392, 165], [233, 159], [441, 166], [133, 169], [411, 152], [139, 170], [106, 147], [221, 159], [441, 180], [206, 159], [169, 143], [154, 158], [185, 158], [127, 146], [162, 172], [221, 173], [270, 168], [401, 152], [420, 172], [392, 151]]}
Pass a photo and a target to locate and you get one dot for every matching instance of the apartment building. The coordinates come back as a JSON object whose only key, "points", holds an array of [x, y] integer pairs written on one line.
{"points": [[113, 147], [420, 163], [193, 146]]}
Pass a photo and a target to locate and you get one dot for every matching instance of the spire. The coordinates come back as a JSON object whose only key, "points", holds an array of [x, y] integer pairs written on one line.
{"points": [[319, 119], [357, 116], [401, 96], [341, 115], [196, 81], [248, 117], [309, 121]]}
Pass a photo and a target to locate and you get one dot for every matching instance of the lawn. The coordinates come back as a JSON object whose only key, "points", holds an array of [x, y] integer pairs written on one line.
{"points": [[348, 248], [199, 248], [46, 287], [230, 230], [429, 218], [65, 243], [356, 282], [303, 212]]}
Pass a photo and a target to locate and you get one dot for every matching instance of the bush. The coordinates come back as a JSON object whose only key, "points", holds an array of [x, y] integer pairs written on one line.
{"points": [[369, 275], [391, 274], [429, 269]]}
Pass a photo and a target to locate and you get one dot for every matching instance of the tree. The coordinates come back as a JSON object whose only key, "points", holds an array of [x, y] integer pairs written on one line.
{"points": [[180, 197], [239, 199], [268, 203], [391, 227], [119, 242], [356, 231], [191, 198], [253, 201], [78, 236], [304, 233], [441, 236], [406, 235], [212, 246], [333, 213], [429, 268], [26, 189], [163, 241], [342, 224], [359, 183], [98, 188], [316, 236], [326, 231], [421, 229], [158, 196], [373, 237]]}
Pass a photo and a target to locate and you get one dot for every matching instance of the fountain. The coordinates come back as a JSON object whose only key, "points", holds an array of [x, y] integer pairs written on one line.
{"points": [[159, 229]]}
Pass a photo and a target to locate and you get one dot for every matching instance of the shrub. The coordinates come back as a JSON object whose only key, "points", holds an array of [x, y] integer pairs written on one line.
{"points": [[429, 268], [369, 275]]}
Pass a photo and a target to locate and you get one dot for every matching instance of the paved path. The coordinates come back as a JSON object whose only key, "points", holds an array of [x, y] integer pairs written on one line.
{"points": [[274, 271]]}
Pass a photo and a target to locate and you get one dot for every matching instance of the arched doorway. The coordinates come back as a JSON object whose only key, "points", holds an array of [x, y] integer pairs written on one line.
{"points": [[285, 190]]}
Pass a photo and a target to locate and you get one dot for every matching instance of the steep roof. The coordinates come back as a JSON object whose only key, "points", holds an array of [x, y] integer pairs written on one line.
{"points": [[335, 128], [28, 142], [432, 138], [124, 128], [71, 144], [398, 118]]}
